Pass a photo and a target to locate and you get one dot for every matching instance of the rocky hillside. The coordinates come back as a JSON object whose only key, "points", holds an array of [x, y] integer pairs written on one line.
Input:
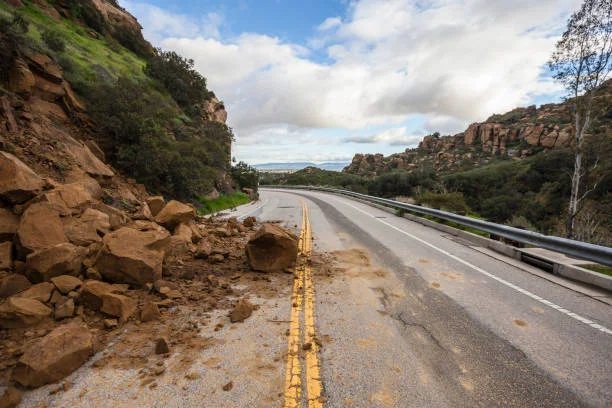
{"points": [[82, 92], [515, 134]]}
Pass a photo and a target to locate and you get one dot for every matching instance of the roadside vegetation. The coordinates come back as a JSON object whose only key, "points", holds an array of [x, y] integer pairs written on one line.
{"points": [[223, 202], [530, 193]]}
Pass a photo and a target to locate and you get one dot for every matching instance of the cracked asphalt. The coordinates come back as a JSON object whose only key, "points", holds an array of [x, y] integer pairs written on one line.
{"points": [[431, 331]]}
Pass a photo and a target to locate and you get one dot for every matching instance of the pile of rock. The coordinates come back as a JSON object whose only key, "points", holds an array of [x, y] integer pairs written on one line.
{"points": [[65, 254]]}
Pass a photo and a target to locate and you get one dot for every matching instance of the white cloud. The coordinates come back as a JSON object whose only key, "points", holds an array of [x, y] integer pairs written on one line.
{"points": [[329, 23], [399, 136], [453, 61]]}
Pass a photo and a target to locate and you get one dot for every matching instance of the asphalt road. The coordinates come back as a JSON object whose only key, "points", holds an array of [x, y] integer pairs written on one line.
{"points": [[446, 324]]}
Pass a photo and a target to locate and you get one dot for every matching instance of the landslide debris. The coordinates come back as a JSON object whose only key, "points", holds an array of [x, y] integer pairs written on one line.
{"points": [[272, 249]]}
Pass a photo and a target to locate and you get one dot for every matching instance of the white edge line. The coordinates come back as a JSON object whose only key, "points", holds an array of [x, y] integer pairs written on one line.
{"points": [[500, 280]]}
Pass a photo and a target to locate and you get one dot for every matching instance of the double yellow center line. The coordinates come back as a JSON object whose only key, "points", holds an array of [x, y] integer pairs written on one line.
{"points": [[303, 300]]}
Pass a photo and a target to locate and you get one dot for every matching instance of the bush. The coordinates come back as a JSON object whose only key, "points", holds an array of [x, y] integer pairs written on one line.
{"points": [[452, 202], [186, 85], [245, 176], [12, 43], [53, 40], [134, 121]]}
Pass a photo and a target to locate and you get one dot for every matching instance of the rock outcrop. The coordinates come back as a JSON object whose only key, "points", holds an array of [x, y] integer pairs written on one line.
{"points": [[515, 134]]}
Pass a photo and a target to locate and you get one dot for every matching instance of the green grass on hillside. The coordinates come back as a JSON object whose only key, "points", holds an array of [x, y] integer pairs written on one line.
{"points": [[86, 58], [223, 202]]}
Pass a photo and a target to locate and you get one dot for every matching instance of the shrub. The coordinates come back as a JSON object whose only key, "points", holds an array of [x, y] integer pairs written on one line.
{"points": [[53, 40], [245, 176], [186, 85], [12, 42], [134, 120]]}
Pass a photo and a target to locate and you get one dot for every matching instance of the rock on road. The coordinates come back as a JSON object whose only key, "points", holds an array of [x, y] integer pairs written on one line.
{"points": [[444, 323]]}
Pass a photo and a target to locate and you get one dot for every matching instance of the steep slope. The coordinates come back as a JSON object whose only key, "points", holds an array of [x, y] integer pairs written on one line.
{"points": [[83, 91], [516, 134]]}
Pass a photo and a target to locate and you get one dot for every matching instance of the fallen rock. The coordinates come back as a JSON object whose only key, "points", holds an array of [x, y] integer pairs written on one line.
{"points": [[203, 250], [143, 213], [132, 256], [64, 308], [40, 228], [56, 296], [80, 193], [18, 183], [41, 292], [249, 222], [217, 258], [55, 355], [66, 283], [116, 217], [175, 213], [13, 284], [271, 249], [61, 259], [87, 229], [161, 346], [9, 223], [118, 305], [92, 273], [149, 312], [11, 398], [18, 312], [156, 204], [242, 310], [6, 255], [110, 323], [92, 293]]}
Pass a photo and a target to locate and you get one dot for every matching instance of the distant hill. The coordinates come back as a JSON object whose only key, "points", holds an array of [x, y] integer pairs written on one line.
{"points": [[295, 166], [515, 135]]}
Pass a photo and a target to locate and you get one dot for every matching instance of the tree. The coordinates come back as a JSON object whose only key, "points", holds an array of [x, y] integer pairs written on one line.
{"points": [[581, 62]]}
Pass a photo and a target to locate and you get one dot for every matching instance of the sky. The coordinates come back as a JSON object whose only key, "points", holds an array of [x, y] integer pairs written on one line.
{"points": [[321, 80]]}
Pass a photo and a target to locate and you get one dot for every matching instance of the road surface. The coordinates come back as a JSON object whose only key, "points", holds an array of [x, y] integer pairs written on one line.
{"points": [[445, 323]]}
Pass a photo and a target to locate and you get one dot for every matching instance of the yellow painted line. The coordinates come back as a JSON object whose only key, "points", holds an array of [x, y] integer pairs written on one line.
{"points": [[293, 379], [303, 297], [314, 387]]}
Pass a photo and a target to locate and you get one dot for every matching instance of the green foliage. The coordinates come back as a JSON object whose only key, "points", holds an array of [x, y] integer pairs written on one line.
{"points": [[53, 40], [186, 85], [12, 42], [223, 202], [452, 202], [133, 121], [245, 176]]}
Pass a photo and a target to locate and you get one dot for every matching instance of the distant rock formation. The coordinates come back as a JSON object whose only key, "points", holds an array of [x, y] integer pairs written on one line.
{"points": [[517, 134]]}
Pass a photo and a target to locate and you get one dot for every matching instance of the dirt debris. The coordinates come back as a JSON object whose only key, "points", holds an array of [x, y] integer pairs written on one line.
{"points": [[242, 310]]}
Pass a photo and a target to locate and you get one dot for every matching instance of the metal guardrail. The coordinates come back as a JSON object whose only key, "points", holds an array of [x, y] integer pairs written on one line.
{"points": [[577, 249]]}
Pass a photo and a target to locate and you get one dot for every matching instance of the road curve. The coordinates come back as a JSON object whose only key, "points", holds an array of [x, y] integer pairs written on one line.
{"points": [[447, 324]]}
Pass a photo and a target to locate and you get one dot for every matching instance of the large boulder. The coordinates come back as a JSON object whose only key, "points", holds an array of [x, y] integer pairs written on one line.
{"points": [[55, 355], [40, 228], [92, 293], [156, 204], [18, 312], [9, 223], [41, 292], [66, 283], [13, 284], [116, 217], [133, 256], [88, 228], [18, 183], [175, 213], [80, 193], [272, 249], [118, 305], [61, 259]]}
